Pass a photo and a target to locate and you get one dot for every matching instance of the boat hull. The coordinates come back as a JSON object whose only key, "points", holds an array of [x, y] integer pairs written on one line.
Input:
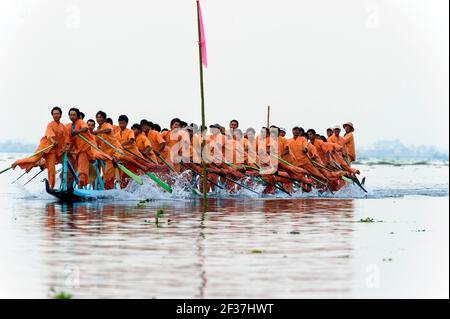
{"points": [[71, 195]]}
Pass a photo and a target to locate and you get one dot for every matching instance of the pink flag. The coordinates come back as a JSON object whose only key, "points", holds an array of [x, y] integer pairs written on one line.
{"points": [[202, 36]]}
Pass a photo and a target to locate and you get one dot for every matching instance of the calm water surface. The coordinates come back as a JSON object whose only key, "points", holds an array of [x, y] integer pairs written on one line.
{"points": [[237, 248]]}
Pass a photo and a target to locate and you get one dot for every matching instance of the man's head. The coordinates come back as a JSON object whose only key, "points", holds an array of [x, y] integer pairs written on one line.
{"points": [[337, 130], [157, 127], [234, 124], [123, 122], [136, 128], [74, 114], [215, 129], [238, 135], [348, 127], [175, 123], [100, 117], [250, 133], [323, 138], [329, 131], [91, 125], [109, 120], [183, 124], [311, 134], [296, 131], [282, 132], [82, 116], [56, 113], [145, 126]]}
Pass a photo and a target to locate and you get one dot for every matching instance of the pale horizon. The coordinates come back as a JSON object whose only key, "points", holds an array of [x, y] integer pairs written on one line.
{"points": [[382, 65]]}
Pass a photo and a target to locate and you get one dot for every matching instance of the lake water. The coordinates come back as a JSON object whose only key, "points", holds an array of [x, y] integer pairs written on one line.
{"points": [[244, 247]]}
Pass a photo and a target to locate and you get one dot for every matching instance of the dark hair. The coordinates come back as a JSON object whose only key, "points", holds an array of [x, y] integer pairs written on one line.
{"points": [[157, 127], [109, 120], [101, 113], [235, 121], [82, 115], [312, 131], [123, 118], [143, 122], [302, 129], [90, 121], [329, 129], [251, 130], [183, 124], [56, 108], [136, 127], [175, 120], [165, 130], [74, 109], [150, 123], [323, 138]]}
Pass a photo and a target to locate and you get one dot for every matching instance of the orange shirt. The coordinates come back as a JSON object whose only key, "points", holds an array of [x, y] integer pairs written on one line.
{"points": [[282, 144], [296, 147], [155, 139], [57, 131], [79, 146], [336, 139], [124, 136], [142, 142], [110, 138], [349, 141]]}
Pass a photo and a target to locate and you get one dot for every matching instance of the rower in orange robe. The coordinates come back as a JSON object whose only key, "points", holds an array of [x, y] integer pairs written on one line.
{"points": [[143, 144], [349, 141], [157, 142], [113, 148], [55, 135], [297, 152], [174, 139], [83, 152], [341, 157]]}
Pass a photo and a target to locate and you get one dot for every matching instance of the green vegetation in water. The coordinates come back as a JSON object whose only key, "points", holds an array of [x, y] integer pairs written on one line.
{"points": [[158, 215], [256, 251], [59, 294], [366, 220]]}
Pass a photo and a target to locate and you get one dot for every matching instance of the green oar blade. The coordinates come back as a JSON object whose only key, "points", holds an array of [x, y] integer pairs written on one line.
{"points": [[5, 170], [348, 180], [163, 185], [136, 178]]}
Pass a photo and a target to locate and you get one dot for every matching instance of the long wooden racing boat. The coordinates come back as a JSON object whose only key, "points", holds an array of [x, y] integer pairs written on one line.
{"points": [[73, 195]]}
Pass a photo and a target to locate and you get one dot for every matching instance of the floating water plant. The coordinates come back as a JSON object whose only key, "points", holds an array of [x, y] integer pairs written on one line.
{"points": [[366, 220], [60, 294], [256, 251]]}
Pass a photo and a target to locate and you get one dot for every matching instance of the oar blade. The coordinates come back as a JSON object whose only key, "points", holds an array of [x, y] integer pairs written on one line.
{"points": [[133, 176], [5, 170], [163, 185]]}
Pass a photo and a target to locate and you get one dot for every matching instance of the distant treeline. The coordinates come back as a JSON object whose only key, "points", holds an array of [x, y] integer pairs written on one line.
{"points": [[397, 150], [16, 147]]}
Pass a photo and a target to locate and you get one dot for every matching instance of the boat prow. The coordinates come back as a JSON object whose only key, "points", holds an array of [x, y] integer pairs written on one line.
{"points": [[70, 195]]}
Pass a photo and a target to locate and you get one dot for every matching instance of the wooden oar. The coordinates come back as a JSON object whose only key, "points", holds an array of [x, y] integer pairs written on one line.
{"points": [[136, 178], [167, 164], [19, 178], [312, 177], [235, 182], [35, 154], [163, 185], [210, 181], [34, 177]]}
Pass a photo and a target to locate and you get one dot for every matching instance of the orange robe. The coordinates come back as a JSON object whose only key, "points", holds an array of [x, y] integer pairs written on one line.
{"points": [[83, 152], [349, 141], [298, 157], [52, 156]]}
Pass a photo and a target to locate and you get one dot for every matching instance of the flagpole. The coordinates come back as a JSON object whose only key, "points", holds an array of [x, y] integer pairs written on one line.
{"points": [[202, 93], [268, 116]]}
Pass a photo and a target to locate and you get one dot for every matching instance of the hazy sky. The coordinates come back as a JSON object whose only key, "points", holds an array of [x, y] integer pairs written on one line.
{"points": [[380, 64]]}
